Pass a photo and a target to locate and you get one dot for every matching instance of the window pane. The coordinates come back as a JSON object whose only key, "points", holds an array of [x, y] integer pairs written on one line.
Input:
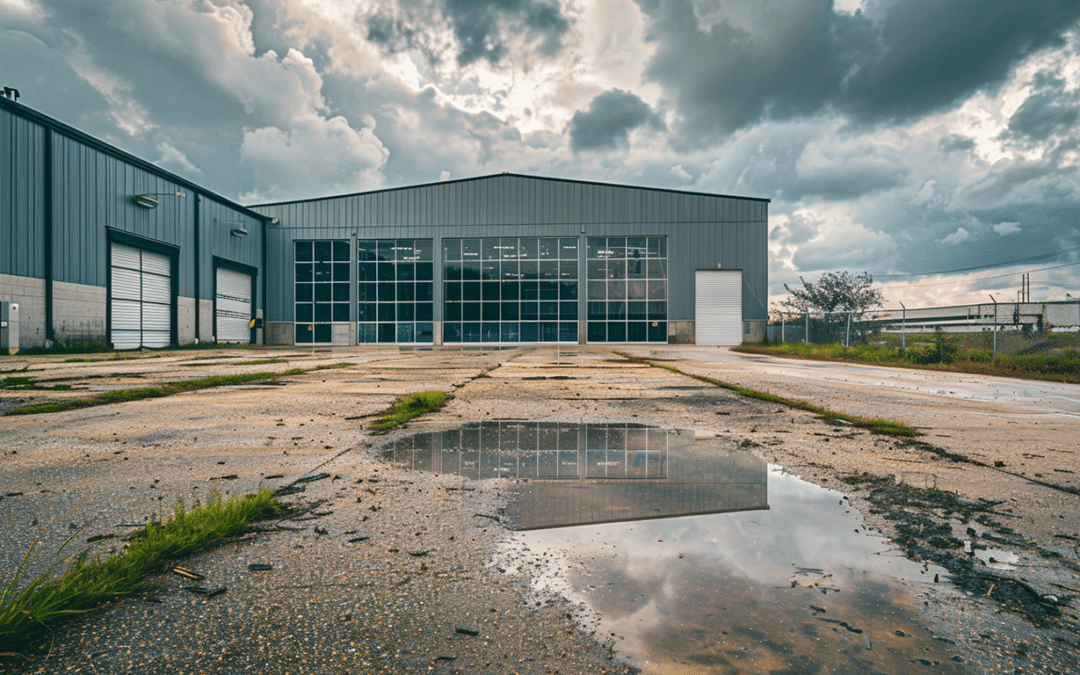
{"points": [[489, 332], [593, 249], [322, 292], [490, 249], [366, 312], [406, 271], [341, 311], [470, 290], [324, 251], [452, 292], [304, 272], [568, 311], [597, 310], [425, 291], [365, 271], [323, 333], [470, 311], [490, 311], [530, 332], [365, 293], [341, 251], [509, 311], [616, 332], [423, 249], [304, 293], [406, 311], [405, 333], [303, 252], [387, 332], [323, 271], [636, 290], [549, 249], [510, 332], [451, 332], [425, 332], [341, 292], [406, 291], [305, 311], [387, 312], [470, 249], [636, 331], [597, 290], [568, 332], [568, 290], [490, 290], [658, 332], [387, 292], [658, 290], [385, 248], [596, 331], [425, 311], [323, 313], [530, 290], [452, 311], [509, 248], [511, 290], [530, 311], [451, 249], [529, 248], [424, 271], [452, 272], [366, 250], [568, 249], [365, 333]]}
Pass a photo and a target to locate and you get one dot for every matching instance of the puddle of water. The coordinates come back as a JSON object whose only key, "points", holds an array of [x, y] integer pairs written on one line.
{"points": [[694, 556]]}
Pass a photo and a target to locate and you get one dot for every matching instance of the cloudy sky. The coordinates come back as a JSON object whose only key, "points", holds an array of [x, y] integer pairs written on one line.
{"points": [[905, 138]]}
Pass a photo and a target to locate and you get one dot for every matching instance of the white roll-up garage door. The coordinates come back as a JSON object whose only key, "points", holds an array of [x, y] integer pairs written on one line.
{"points": [[232, 306], [718, 307], [141, 298]]}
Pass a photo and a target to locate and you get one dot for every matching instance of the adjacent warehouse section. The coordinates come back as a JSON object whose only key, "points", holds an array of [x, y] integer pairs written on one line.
{"points": [[101, 246]]}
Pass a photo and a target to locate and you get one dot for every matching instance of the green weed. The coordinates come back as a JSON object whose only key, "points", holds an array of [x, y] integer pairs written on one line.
{"points": [[936, 354], [886, 427], [408, 407], [88, 583]]}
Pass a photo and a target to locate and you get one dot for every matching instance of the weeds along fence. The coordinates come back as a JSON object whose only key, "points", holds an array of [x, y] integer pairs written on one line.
{"points": [[1015, 329]]}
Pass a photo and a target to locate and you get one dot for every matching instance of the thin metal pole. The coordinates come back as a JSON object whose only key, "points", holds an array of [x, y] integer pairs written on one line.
{"points": [[849, 330], [903, 328], [807, 328], [995, 324], [783, 327]]}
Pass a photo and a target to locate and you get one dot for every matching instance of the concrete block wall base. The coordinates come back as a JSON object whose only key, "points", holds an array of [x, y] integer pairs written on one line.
{"points": [[29, 293], [681, 332], [79, 312]]}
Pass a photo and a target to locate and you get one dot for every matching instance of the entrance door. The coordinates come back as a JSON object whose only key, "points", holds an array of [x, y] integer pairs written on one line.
{"points": [[718, 307], [232, 306], [141, 298]]}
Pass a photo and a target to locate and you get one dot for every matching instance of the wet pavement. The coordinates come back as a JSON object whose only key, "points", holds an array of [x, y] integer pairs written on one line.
{"points": [[346, 593], [693, 553]]}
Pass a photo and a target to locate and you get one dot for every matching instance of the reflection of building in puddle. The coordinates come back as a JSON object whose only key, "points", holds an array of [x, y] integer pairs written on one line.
{"points": [[575, 474]]}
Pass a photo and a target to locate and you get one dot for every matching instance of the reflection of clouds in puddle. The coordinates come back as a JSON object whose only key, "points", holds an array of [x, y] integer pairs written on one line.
{"points": [[716, 591]]}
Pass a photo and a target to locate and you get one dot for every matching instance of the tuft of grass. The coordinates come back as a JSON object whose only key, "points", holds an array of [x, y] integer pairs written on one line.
{"points": [[879, 426], [125, 395], [88, 583], [939, 355], [408, 407]]}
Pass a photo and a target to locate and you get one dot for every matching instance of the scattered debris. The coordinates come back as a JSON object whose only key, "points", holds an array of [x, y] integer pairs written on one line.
{"points": [[260, 567], [466, 630], [186, 573]]}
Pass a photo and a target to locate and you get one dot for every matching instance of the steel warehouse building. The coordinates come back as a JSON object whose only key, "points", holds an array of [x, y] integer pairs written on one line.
{"points": [[99, 245]]}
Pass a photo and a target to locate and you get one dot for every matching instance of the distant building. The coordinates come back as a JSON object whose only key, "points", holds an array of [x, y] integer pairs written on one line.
{"points": [[99, 245]]}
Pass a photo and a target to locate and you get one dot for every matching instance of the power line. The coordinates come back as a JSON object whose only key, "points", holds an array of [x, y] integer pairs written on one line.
{"points": [[981, 267], [995, 276]]}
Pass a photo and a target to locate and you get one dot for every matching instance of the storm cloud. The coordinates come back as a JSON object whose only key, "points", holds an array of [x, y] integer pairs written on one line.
{"points": [[609, 120]]}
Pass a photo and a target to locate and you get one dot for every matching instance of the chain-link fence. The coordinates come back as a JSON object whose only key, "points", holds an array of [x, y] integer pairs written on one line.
{"points": [[1050, 329]]}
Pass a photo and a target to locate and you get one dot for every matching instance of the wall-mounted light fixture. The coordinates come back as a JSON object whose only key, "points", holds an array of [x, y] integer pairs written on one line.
{"points": [[147, 200], [239, 227]]}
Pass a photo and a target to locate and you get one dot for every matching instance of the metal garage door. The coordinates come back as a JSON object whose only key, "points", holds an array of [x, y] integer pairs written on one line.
{"points": [[232, 306], [718, 307], [141, 298]]}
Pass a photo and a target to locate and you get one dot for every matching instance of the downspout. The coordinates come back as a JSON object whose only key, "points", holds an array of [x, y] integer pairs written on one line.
{"points": [[198, 298], [264, 274], [47, 217]]}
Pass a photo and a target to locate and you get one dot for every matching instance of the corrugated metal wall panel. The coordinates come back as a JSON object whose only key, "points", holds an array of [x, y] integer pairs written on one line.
{"points": [[22, 145]]}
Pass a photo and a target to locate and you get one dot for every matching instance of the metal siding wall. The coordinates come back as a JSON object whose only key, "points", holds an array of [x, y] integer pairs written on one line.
{"points": [[22, 236], [93, 191], [702, 230], [216, 239]]}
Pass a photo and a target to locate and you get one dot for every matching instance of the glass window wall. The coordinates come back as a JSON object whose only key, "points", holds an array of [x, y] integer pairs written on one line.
{"points": [[510, 289], [626, 289], [321, 273], [395, 291]]}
